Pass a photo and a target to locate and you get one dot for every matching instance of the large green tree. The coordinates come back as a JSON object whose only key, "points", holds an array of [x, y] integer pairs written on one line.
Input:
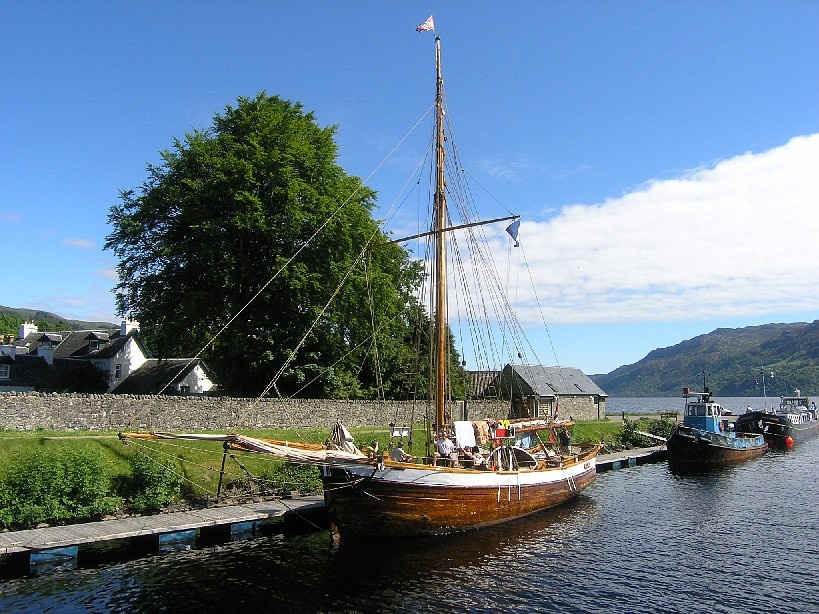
{"points": [[218, 219]]}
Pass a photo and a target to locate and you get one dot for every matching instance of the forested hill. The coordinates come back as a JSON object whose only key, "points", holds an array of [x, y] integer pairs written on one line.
{"points": [[12, 317], [732, 359]]}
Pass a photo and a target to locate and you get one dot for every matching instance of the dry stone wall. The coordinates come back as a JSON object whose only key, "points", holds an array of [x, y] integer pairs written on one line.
{"points": [[27, 411]]}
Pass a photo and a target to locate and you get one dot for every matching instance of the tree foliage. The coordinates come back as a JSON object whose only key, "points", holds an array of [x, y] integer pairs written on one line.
{"points": [[10, 323], [212, 229], [81, 376]]}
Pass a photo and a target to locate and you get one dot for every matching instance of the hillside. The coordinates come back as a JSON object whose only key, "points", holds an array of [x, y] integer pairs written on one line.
{"points": [[12, 317], [731, 359]]}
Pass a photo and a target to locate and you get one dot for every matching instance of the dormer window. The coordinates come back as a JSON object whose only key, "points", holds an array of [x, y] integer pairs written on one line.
{"points": [[94, 344]]}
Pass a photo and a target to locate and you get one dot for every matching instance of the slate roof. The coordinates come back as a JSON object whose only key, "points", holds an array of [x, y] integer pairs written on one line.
{"points": [[29, 371], [75, 344], [155, 374], [552, 381], [484, 383]]}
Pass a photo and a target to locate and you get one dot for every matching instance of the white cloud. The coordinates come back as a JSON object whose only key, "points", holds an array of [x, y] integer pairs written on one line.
{"points": [[12, 217], [108, 272], [734, 239], [508, 171], [78, 243]]}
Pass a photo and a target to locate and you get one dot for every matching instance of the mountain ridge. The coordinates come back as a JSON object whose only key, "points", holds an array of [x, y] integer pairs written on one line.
{"points": [[732, 360]]}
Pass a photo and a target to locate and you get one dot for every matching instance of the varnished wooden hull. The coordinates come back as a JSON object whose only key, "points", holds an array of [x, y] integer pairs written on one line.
{"points": [[687, 448], [403, 499]]}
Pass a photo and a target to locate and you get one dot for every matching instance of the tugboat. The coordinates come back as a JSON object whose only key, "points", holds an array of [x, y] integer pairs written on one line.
{"points": [[794, 421], [705, 440]]}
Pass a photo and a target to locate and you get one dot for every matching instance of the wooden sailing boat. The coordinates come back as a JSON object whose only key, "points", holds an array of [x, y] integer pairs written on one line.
{"points": [[372, 496], [382, 497]]}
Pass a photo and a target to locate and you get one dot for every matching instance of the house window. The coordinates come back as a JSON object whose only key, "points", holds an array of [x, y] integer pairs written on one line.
{"points": [[184, 389], [94, 344], [4, 371], [118, 371]]}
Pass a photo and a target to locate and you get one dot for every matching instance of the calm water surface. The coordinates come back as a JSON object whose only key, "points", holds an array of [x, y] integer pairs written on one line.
{"points": [[653, 405], [643, 539]]}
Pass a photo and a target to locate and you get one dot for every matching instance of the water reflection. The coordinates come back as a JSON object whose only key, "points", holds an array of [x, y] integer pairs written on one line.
{"points": [[641, 539]]}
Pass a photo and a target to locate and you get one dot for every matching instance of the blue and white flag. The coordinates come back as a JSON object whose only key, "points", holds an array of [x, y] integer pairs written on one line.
{"points": [[512, 229]]}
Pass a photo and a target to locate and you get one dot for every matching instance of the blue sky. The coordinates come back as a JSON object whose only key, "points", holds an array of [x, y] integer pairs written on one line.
{"points": [[663, 155]]}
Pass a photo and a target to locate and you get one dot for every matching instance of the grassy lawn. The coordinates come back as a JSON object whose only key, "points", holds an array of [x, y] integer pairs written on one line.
{"points": [[199, 463]]}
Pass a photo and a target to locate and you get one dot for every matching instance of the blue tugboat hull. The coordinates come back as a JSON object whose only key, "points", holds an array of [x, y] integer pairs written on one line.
{"points": [[691, 447]]}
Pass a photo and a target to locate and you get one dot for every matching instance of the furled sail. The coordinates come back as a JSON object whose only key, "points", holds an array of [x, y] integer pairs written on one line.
{"points": [[338, 449]]}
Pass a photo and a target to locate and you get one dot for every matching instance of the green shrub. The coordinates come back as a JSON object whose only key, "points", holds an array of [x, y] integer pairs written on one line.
{"points": [[6, 497], [154, 483], [293, 476], [630, 436], [54, 487], [663, 427]]}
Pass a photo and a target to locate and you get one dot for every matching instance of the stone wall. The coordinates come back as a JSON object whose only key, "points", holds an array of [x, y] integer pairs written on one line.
{"points": [[25, 411], [105, 412]]}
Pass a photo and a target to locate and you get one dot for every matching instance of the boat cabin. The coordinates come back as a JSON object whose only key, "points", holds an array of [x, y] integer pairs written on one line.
{"points": [[702, 413], [794, 404]]}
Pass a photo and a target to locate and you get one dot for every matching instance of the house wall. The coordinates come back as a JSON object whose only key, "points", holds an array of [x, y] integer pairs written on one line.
{"points": [[197, 381], [130, 357], [579, 407], [582, 407], [102, 412]]}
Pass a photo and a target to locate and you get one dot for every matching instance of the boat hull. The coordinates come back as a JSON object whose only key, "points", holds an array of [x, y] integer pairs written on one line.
{"points": [[777, 429], [405, 500], [689, 447]]}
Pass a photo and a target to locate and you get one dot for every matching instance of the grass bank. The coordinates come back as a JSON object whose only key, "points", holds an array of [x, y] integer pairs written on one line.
{"points": [[112, 477]]}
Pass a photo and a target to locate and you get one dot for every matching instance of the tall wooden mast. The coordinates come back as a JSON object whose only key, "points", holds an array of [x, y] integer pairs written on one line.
{"points": [[440, 216]]}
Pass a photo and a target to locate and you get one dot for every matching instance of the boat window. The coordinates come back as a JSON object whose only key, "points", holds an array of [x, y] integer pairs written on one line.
{"points": [[701, 410]]}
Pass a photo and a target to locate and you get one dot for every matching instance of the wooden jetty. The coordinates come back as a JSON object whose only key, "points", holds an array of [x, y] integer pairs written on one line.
{"points": [[210, 525], [631, 458]]}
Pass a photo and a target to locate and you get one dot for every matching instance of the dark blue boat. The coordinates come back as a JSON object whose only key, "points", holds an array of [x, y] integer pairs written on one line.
{"points": [[795, 420]]}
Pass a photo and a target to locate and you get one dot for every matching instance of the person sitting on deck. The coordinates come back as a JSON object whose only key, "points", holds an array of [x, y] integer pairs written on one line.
{"points": [[371, 450], [445, 447], [478, 460], [465, 457], [399, 455]]}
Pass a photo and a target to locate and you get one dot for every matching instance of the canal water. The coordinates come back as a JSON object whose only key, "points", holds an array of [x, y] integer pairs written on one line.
{"points": [[642, 539]]}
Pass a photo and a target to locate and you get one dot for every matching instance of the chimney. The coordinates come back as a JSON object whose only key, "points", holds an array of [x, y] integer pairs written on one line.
{"points": [[128, 326], [26, 328], [47, 352]]}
